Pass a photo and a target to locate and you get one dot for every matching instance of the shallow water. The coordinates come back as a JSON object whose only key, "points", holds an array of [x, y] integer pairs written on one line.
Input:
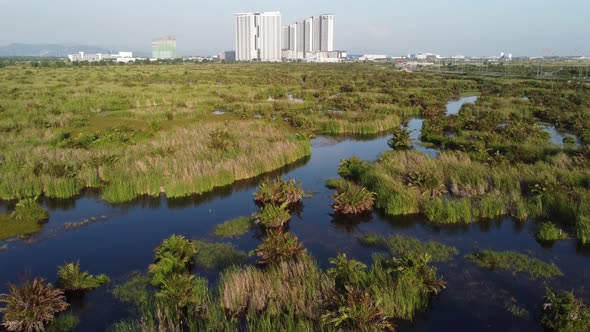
{"points": [[557, 136], [121, 238]]}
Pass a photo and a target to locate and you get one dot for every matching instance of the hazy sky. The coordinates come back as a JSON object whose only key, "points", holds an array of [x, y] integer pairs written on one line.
{"points": [[469, 27]]}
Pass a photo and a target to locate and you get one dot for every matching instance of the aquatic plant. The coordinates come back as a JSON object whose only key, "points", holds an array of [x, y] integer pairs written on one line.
{"points": [[32, 305], [64, 322], [353, 199], [351, 168], [400, 245], [235, 227], [549, 232], [279, 246], [514, 262], [401, 139], [11, 228], [279, 191], [564, 312], [217, 256], [179, 247], [29, 210], [71, 278], [273, 215]]}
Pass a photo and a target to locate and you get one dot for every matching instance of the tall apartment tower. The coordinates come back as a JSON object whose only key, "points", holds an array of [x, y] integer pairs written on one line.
{"points": [[326, 33], [164, 48], [258, 36]]}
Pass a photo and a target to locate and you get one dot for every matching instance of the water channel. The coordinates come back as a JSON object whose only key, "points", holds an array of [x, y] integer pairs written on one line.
{"points": [[119, 239]]}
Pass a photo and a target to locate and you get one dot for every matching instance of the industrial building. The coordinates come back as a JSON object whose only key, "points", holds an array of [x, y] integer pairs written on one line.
{"points": [[258, 36], [164, 48]]}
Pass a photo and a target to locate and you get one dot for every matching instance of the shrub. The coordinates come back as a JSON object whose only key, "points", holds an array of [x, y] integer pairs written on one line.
{"points": [[353, 199], [514, 262], [29, 210], [70, 278], [31, 306], [279, 247], [564, 312], [401, 139], [352, 168], [273, 216], [548, 232], [177, 246], [235, 227], [279, 192]]}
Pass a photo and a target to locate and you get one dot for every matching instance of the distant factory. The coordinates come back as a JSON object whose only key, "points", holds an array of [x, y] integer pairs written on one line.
{"points": [[94, 57]]}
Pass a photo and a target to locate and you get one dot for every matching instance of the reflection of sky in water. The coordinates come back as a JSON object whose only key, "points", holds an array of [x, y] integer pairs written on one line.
{"points": [[557, 136]]}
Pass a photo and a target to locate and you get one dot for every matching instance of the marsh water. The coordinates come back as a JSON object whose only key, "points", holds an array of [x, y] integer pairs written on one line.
{"points": [[119, 239]]}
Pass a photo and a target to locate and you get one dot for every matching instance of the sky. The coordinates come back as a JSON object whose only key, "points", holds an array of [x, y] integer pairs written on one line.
{"points": [[446, 27]]}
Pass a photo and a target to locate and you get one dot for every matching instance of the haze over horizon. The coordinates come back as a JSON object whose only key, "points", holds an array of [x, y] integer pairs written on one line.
{"points": [[529, 27]]}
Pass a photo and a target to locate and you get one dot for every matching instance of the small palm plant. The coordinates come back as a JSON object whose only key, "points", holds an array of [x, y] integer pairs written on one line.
{"points": [[279, 247], [31, 306], [28, 209], [71, 278], [179, 247], [273, 216], [279, 192], [352, 199]]}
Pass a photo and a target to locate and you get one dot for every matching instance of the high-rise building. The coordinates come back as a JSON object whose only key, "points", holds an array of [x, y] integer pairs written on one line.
{"points": [[326, 33], [164, 48], [258, 36], [310, 37]]}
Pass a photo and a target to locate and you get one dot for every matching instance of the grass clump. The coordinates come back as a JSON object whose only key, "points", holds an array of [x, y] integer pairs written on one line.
{"points": [[399, 245], [279, 247], [514, 262], [217, 256], [351, 199], [71, 278], [279, 191], [564, 312], [235, 227], [31, 306], [29, 209], [549, 232], [273, 216]]}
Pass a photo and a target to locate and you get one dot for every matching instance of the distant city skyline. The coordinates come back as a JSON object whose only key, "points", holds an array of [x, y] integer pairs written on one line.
{"points": [[472, 28]]}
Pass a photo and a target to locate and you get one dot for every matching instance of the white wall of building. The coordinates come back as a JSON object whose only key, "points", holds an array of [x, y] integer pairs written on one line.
{"points": [[258, 36]]}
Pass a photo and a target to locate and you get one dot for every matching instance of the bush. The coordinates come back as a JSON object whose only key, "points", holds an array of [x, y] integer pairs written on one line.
{"points": [[31, 306], [353, 199], [177, 246], [273, 216], [70, 278], [548, 232], [563, 312], [279, 192], [401, 139], [279, 247], [29, 210], [352, 168]]}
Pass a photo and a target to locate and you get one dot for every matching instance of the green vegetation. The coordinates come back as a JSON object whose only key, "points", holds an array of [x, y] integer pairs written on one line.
{"points": [[548, 232], [399, 245], [516, 310], [401, 139], [279, 192], [273, 216], [65, 322], [235, 227], [217, 256], [514, 262], [351, 199], [29, 209], [11, 228], [71, 278], [279, 247], [564, 312], [31, 306]]}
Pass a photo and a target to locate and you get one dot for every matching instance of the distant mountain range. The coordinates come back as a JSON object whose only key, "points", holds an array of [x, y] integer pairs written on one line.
{"points": [[51, 50]]}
